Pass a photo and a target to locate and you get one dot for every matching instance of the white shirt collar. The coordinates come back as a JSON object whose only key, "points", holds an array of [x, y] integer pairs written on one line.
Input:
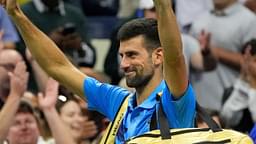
{"points": [[41, 7]]}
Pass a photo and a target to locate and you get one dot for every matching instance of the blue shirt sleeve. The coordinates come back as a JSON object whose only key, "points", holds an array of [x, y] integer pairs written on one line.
{"points": [[253, 133], [181, 112], [10, 33], [104, 98]]}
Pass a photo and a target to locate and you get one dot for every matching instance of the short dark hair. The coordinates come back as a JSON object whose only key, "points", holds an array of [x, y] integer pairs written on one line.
{"points": [[147, 27], [25, 107], [252, 43]]}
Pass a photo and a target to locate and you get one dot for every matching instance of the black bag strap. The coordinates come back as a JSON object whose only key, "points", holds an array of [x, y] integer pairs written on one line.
{"points": [[163, 123], [207, 119], [111, 131], [153, 122], [160, 117]]}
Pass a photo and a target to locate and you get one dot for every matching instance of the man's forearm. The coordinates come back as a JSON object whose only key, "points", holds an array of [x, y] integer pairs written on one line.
{"points": [[43, 49], [174, 63], [168, 30]]}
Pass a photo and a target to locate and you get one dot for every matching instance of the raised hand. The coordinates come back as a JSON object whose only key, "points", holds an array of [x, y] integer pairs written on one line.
{"points": [[11, 6], [19, 79], [48, 100], [248, 72], [89, 128]]}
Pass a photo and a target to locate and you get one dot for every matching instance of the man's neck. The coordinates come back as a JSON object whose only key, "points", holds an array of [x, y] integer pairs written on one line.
{"points": [[144, 92]]}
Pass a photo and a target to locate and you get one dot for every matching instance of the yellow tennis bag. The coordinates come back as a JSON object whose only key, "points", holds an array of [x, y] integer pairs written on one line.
{"points": [[212, 135], [192, 136]]}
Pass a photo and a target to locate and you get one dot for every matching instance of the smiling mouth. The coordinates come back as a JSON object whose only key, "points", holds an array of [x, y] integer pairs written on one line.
{"points": [[127, 74]]}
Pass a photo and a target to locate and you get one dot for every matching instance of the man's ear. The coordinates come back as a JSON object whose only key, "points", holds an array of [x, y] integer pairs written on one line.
{"points": [[157, 56]]}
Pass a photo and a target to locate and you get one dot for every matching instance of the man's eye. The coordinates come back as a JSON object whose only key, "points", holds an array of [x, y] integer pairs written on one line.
{"points": [[130, 54]]}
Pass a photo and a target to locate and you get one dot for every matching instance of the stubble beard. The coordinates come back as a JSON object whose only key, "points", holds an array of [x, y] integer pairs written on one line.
{"points": [[139, 81]]}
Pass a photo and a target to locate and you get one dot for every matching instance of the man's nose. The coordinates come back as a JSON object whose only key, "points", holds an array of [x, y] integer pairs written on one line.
{"points": [[23, 126], [124, 63]]}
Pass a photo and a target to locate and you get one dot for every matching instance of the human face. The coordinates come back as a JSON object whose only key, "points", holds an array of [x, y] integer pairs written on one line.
{"points": [[24, 129], [136, 62], [71, 115], [9, 59]]}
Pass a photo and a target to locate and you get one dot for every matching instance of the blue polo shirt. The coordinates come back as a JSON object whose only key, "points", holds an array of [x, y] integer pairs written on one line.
{"points": [[107, 98]]}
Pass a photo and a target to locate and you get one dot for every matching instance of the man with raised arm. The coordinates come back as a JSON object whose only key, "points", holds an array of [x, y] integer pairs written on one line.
{"points": [[152, 61]]}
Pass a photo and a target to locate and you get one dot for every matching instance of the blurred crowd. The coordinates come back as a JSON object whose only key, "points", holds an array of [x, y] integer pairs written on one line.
{"points": [[219, 44]]}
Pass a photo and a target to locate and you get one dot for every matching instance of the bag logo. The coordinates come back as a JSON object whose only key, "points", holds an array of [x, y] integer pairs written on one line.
{"points": [[117, 124]]}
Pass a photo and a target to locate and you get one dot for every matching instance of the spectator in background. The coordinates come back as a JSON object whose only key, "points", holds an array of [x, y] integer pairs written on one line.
{"points": [[19, 123], [10, 36], [239, 107], [24, 127], [8, 60], [66, 26], [70, 111], [189, 10], [193, 49], [230, 25], [82, 128]]}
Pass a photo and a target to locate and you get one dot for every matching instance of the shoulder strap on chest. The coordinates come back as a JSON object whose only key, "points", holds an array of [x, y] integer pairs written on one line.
{"points": [[111, 131]]}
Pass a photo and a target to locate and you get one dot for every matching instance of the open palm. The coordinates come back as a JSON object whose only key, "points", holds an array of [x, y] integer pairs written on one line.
{"points": [[48, 100], [19, 79]]}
